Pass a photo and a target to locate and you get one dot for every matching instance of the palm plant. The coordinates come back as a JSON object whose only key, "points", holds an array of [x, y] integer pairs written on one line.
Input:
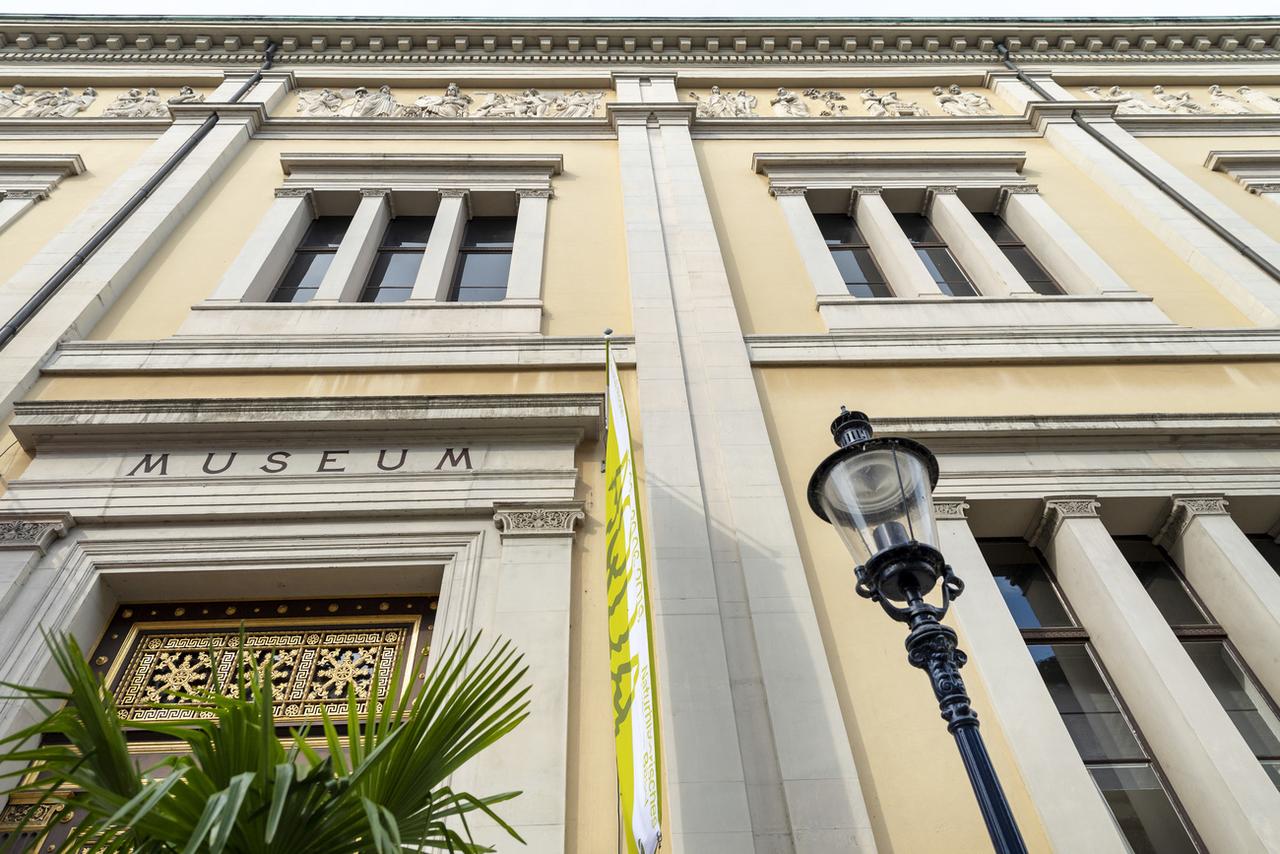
{"points": [[235, 785]]}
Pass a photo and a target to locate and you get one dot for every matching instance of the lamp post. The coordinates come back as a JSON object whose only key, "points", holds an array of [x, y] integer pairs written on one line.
{"points": [[878, 493]]}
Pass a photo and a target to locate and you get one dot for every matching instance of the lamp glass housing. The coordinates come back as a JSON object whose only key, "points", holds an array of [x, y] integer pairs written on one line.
{"points": [[879, 494]]}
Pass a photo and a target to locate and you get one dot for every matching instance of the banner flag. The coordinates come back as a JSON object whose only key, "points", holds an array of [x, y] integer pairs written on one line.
{"points": [[635, 712]]}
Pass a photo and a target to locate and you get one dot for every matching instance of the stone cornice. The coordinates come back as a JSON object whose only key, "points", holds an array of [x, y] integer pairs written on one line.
{"points": [[601, 41], [108, 423]]}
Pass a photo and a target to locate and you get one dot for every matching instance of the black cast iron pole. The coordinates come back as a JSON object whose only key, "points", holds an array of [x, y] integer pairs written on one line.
{"points": [[931, 646]]}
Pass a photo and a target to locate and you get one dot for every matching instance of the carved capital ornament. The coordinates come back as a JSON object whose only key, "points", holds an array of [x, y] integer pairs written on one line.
{"points": [[1183, 509], [1055, 512], [537, 520]]}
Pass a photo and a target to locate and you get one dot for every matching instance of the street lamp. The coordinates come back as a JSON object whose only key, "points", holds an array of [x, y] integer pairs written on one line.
{"points": [[878, 493]]}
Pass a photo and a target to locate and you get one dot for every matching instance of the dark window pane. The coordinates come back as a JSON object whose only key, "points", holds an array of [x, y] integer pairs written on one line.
{"points": [[917, 228], [946, 272], [1269, 549], [481, 294], [1237, 693], [860, 272], [1025, 585], [1090, 712], [995, 226], [838, 228], [490, 232], [484, 269], [1143, 809], [407, 232], [395, 269], [1162, 583], [325, 232], [1030, 270], [303, 277]]}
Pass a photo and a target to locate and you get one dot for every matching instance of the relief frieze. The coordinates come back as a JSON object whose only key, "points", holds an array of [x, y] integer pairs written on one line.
{"points": [[1243, 100], [20, 102], [452, 103]]}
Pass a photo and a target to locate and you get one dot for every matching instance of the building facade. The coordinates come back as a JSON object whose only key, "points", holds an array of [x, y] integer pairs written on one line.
{"points": [[304, 327]]}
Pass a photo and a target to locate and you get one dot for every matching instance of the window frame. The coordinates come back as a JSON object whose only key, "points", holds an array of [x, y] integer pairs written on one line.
{"points": [[937, 243], [369, 288], [302, 248], [834, 246], [1016, 242], [463, 251]]}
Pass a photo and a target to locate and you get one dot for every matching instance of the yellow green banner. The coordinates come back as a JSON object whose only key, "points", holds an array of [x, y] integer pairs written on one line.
{"points": [[635, 711]]}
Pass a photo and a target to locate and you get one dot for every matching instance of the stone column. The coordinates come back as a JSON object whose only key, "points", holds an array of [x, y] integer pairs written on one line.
{"points": [[992, 272], [1240, 588], [1228, 796], [14, 203], [902, 267], [351, 264], [531, 599], [256, 271], [1074, 814], [524, 282], [24, 538], [1242, 282], [435, 273], [821, 268], [1056, 245]]}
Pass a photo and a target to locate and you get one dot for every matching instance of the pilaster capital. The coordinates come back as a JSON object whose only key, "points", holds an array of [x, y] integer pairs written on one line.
{"points": [[538, 519], [374, 192], [950, 508], [33, 195], [293, 192], [451, 193], [931, 193], [1002, 201], [1259, 189], [857, 193], [1056, 511], [788, 191], [1182, 510], [534, 192], [32, 531]]}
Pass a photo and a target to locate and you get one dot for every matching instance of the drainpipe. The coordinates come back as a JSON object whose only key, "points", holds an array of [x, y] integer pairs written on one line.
{"points": [[1181, 200], [104, 232]]}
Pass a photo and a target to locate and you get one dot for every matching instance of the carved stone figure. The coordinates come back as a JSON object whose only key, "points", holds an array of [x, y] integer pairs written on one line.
{"points": [[1259, 101], [319, 102], [1181, 104], [135, 105], [719, 105], [1224, 103], [829, 100], [187, 95], [1128, 103], [578, 105], [789, 104], [529, 103], [890, 105], [533, 103], [361, 104], [954, 101], [451, 105], [60, 104], [13, 100]]}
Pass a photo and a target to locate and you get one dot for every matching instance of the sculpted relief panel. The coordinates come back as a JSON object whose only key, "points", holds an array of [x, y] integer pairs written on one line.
{"points": [[1216, 100], [452, 103], [22, 102], [783, 102]]}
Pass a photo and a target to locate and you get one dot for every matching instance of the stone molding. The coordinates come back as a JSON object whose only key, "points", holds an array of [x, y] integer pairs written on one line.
{"points": [[889, 169], [113, 423], [950, 508], [1055, 511], [410, 171], [32, 531], [538, 519], [1256, 171], [1182, 510], [33, 176]]}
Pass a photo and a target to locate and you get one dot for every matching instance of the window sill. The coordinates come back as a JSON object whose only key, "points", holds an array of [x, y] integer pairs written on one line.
{"points": [[850, 312], [421, 317]]}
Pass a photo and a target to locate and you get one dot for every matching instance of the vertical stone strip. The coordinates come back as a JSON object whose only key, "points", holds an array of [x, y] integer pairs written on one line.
{"points": [[797, 764]]}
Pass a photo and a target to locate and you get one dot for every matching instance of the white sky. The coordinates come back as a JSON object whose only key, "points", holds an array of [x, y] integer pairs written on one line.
{"points": [[651, 8]]}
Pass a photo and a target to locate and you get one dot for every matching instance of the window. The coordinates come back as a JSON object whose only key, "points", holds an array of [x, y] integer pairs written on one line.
{"points": [[399, 256], [1018, 254], [1108, 742], [1206, 642], [933, 251], [852, 256], [484, 260], [311, 259], [1269, 549]]}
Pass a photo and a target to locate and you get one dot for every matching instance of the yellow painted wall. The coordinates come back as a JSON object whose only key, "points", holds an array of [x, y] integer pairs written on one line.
{"points": [[104, 161], [1188, 154], [584, 269], [922, 96], [775, 296]]}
